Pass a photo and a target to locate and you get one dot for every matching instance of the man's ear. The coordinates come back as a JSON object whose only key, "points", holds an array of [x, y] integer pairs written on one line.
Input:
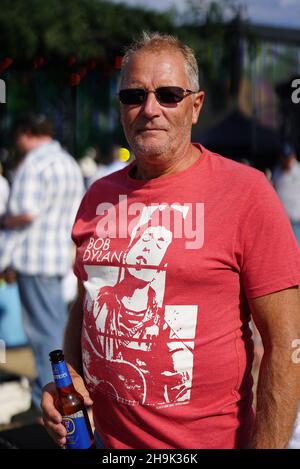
{"points": [[197, 105]]}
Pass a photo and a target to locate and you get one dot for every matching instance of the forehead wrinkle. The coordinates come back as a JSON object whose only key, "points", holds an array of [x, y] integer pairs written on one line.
{"points": [[166, 71]]}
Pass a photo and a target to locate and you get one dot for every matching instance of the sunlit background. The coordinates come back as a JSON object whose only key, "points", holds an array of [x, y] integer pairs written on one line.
{"points": [[64, 58]]}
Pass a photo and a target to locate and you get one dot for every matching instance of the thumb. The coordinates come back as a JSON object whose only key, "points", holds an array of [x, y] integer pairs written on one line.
{"points": [[87, 400], [81, 388]]}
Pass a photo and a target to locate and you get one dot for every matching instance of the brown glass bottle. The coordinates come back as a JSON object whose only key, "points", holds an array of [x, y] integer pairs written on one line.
{"points": [[71, 405]]}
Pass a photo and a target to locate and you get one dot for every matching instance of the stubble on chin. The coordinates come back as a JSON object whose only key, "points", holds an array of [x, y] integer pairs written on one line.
{"points": [[152, 149]]}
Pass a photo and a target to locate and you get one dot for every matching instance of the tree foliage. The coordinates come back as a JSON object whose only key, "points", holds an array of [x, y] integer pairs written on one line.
{"points": [[100, 29], [86, 28]]}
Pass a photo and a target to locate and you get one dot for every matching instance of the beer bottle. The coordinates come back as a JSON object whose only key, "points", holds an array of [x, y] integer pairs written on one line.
{"points": [[71, 405]]}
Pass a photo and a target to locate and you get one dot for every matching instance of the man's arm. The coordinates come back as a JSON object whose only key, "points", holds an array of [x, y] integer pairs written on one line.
{"points": [[277, 317], [72, 337], [72, 345], [72, 351], [13, 222]]}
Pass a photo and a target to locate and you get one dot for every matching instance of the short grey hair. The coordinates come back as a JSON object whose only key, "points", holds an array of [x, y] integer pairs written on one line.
{"points": [[150, 41]]}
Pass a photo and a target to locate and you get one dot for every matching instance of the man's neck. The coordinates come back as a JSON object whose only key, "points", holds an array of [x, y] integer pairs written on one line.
{"points": [[39, 141], [167, 165]]}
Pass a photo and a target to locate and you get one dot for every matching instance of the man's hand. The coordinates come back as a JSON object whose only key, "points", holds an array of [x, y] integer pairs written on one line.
{"points": [[51, 416], [14, 222], [72, 352], [9, 275]]}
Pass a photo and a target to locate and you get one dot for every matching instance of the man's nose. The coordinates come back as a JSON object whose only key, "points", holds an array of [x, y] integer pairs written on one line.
{"points": [[151, 106]]}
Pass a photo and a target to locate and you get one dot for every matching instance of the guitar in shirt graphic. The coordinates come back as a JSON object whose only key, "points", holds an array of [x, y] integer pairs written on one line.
{"points": [[144, 348]]}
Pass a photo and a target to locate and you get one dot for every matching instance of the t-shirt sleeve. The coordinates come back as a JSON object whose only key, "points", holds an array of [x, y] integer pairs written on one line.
{"points": [[78, 235], [267, 250]]}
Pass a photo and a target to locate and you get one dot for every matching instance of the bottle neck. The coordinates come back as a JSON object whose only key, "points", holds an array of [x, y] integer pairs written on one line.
{"points": [[61, 375]]}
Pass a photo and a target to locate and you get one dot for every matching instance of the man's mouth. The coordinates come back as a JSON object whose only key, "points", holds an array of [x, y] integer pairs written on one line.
{"points": [[151, 130]]}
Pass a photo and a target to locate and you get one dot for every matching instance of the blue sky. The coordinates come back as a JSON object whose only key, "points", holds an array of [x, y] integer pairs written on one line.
{"points": [[271, 12]]}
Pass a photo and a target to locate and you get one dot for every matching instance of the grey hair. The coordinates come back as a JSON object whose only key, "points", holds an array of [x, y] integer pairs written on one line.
{"points": [[156, 42]]}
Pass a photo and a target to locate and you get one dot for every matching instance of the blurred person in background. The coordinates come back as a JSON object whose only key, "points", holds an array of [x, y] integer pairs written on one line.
{"points": [[114, 165], [243, 259], [35, 240], [11, 327], [4, 192], [89, 163], [286, 180]]}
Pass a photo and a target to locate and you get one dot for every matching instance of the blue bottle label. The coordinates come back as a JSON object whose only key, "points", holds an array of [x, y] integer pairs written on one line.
{"points": [[61, 374], [77, 432]]}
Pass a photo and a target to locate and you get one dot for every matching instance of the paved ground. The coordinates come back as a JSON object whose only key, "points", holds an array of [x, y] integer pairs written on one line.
{"points": [[19, 361], [15, 376]]}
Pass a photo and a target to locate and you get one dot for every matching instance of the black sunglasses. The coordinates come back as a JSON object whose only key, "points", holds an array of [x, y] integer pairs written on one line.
{"points": [[163, 94]]}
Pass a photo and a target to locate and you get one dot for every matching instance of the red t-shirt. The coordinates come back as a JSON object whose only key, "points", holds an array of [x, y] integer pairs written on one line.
{"points": [[167, 266]]}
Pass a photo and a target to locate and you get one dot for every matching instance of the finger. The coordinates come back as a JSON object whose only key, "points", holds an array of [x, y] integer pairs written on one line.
{"points": [[62, 442], [80, 387], [58, 430], [87, 400], [50, 412], [58, 435], [49, 394]]}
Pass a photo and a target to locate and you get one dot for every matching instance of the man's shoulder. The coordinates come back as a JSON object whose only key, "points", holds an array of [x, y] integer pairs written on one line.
{"points": [[40, 156], [50, 155], [115, 178], [225, 167]]}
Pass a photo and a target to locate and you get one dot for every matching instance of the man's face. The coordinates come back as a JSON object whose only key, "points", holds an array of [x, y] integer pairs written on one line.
{"points": [[153, 129]]}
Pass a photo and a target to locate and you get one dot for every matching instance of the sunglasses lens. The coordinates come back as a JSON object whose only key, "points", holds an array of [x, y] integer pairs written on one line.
{"points": [[164, 94], [132, 96], [169, 94]]}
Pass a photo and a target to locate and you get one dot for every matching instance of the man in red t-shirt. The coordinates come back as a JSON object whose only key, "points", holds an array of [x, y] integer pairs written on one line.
{"points": [[173, 254]]}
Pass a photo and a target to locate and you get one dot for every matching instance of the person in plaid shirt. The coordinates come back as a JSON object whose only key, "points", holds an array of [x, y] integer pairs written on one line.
{"points": [[36, 242]]}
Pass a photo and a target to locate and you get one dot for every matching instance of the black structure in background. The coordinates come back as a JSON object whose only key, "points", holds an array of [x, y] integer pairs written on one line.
{"points": [[240, 137]]}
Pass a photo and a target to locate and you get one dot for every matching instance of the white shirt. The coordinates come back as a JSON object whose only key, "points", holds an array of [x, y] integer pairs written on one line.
{"points": [[48, 185], [4, 194], [103, 170], [287, 185]]}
